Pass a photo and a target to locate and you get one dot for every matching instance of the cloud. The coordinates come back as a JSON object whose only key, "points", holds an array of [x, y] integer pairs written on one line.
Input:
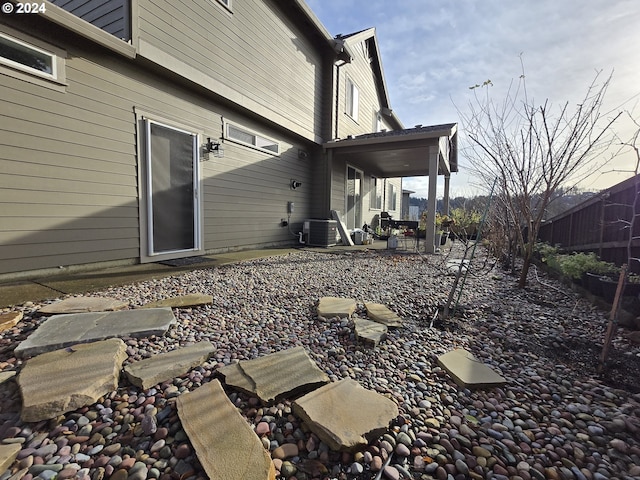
{"points": [[433, 51]]}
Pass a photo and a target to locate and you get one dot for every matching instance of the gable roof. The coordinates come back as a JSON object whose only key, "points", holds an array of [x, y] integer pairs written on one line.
{"points": [[369, 36]]}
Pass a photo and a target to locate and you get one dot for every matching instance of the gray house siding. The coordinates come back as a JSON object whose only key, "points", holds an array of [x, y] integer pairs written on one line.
{"points": [[69, 160], [360, 72], [257, 56], [113, 16]]}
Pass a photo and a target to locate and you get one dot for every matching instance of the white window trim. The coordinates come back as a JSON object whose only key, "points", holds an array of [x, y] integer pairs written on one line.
{"points": [[352, 99], [55, 80], [26, 68], [142, 116], [226, 4], [228, 137]]}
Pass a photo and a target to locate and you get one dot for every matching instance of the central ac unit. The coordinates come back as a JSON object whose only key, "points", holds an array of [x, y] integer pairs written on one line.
{"points": [[320, 233]]}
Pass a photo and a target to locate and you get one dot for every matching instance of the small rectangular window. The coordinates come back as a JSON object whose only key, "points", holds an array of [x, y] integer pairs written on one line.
{"points": [[246, 137], [352, 97], [28, 58]]}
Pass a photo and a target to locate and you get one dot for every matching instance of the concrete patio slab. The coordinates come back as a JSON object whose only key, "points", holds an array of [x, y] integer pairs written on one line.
{"points": [[469, 372], [83, 305], [57, 382], [8, 454], [287, 373], [371, 333], [380, 313], [345, 415], [64, 330], [224, 443], [192, 300], [336, 307], [9, 320], [159, 368]]}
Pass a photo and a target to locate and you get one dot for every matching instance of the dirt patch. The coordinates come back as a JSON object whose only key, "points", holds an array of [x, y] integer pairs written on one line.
{"points": [[621, 370]]}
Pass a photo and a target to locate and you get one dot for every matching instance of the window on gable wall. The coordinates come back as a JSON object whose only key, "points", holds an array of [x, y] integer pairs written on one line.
{"points": [[375, 194], [226, 3], [352, 99]]}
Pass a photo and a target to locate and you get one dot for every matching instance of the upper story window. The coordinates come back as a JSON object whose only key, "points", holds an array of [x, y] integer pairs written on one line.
{"points": [[246, 137], [352, 99], [17, 54], [225, 3]]}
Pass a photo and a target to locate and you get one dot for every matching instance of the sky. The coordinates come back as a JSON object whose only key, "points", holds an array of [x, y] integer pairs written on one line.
{"points": [[433, 50]]}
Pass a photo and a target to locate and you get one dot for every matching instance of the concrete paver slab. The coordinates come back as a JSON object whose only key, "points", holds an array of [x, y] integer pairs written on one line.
{"points": [[336, 307], [83, 305], [371, 333], [58, 382], [4, 376], [345, 415], [192, 300], [469, 372], [8, 454], [159, 368], [286, 373], [235, 377], [64, 330], [380, 313], [224, 443], [9, 320]]}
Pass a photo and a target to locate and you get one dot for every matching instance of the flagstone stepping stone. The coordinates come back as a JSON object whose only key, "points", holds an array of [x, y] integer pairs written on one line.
{"points": [[345, 415], [235, 377], [159, 368], [336, 307], [9, 320], [469, 372], [8, 454], [224, 442], [371, 333], [83, 305], [192, 300], [286, 373], [4, 376], [62, 331], [57, 382], [380, 313]]}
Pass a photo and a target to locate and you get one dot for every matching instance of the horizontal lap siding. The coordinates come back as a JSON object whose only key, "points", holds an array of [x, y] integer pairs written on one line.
{"points": [[246, 194], [68, 190], [69, 182], [253, 51], [112, 16]]}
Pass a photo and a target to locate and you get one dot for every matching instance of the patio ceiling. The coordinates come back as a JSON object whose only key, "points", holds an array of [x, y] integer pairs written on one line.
{"points": [[400, 153]]}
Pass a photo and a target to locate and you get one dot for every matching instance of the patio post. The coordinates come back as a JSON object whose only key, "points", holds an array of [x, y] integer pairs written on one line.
{"points": [[328, 181], [447, 178], [430, 226]]}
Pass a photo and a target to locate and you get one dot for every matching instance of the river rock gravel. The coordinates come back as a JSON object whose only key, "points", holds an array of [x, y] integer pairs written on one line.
{"points": [[556, 417]]}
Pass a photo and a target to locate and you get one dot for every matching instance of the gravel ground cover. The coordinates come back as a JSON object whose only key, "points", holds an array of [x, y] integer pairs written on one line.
{"points": [[555, 418]]}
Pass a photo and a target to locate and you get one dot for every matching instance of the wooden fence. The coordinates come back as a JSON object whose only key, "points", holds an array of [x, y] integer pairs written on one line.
{"points": [[601, 225]]}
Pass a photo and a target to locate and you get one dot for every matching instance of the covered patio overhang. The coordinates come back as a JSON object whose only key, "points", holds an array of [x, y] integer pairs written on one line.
{"points": [[412, 152]]}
